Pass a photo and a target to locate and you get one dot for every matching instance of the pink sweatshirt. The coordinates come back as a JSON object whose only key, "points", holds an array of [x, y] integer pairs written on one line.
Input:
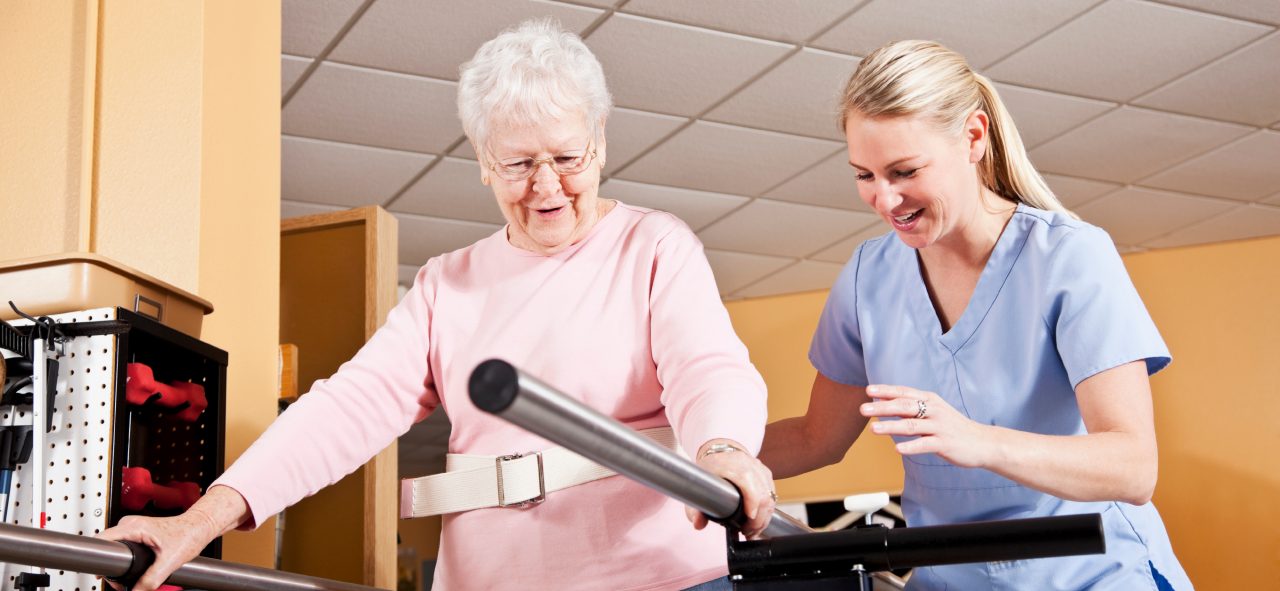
{"points": [[628, 321]]}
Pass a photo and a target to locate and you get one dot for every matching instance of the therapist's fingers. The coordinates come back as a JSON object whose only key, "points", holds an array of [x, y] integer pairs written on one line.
{"points": [[904, 403], [892, 391]]}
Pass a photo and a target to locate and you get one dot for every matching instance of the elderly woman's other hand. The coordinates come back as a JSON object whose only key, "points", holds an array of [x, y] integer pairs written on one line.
{"points": [[729, 460], [177, 540]]}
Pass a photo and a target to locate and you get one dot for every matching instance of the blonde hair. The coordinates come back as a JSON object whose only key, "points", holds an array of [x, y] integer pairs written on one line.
{"points": [[925, 79]]}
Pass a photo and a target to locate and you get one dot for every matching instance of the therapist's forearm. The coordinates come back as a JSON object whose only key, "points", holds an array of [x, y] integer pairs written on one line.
{"points": [[1095, 467], [788, 450]]}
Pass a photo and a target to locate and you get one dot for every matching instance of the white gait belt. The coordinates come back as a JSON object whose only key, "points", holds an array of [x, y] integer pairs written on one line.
{"points": [[518, 480]]}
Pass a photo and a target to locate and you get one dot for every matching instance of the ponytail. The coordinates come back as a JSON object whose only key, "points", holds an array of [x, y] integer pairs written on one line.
{"points": [[1005, 168]]}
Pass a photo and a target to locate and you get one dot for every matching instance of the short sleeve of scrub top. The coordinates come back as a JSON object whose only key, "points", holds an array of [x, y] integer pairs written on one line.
{"points": [[1091, 297], [836, 350]]}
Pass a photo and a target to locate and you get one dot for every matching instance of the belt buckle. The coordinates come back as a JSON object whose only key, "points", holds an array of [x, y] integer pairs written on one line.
{"points": [[542, 482]]}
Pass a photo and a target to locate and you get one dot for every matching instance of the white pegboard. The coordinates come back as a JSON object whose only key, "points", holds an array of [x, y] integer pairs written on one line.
{"points": [[77, 451]]}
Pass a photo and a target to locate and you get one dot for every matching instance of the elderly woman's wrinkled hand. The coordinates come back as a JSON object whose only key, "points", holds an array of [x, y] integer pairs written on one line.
{"points": [[938, 428], [175, 540], [729, 460]]}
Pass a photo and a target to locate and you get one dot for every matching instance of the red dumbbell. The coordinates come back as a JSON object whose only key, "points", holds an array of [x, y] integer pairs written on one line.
{"points": [[193, 394], [137, 489], [142, 387]]}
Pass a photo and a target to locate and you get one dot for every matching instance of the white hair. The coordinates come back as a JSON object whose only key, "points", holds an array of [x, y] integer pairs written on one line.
{"points": [[529, 74]]}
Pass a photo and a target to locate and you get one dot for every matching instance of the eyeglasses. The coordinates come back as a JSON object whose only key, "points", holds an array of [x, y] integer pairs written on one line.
{"points": [[569, 163]]}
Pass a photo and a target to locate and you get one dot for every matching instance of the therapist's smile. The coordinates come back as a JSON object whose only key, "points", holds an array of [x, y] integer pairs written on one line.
{"points": [[907, 221]]}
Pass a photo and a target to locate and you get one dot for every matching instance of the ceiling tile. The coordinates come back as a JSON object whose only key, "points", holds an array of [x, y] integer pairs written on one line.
{"points": [[422, 237], [1130, 143], [1259, 10], [1274, 199], [669, 68], [783, 229], [1135, 216], [990, 30], [802, 276], [343, 174], [1245, 221], [434, 38], [831, 183], [1124, 48], [291, 68], [294, 209], [696, 208], [842, 251], [1041, 115], [362, 106], [1247, 169], [801, 95], [630, 132], [1244, 87], [451, 189], [309, 25], [791, 21], [727, 159], [734, 270], [1075, 191]]}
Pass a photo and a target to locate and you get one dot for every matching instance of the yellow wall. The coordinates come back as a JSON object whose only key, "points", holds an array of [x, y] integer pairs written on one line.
{"points": [[239, 231], [47, 66], [1216, 406], [777, 331], [148, 132]]}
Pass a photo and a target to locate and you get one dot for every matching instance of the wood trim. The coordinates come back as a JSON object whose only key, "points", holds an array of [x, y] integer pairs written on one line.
{"points": [[359, 215], [382, 472]]}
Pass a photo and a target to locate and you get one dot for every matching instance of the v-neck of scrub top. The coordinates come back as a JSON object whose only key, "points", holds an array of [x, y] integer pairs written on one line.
{"points": [[990, 282]]}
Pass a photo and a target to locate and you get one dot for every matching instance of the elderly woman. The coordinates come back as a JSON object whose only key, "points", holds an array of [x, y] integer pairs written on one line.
{"points": [[997, 338], [613, 304]]}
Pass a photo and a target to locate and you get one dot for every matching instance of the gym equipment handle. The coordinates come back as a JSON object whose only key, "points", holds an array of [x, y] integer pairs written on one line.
{"points": [[499, 388], [56, 550]]}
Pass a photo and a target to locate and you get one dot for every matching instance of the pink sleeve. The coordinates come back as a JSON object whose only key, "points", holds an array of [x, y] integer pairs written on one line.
{"points": [[710, 387], [347, 419]]}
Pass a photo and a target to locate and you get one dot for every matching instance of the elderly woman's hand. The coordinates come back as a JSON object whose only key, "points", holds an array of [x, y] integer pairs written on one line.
{"points": [[176, 540], [937, 427], [729, 460]]}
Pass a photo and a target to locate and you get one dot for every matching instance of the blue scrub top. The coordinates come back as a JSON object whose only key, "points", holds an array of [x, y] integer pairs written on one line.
{"points": [[1053, 306]]}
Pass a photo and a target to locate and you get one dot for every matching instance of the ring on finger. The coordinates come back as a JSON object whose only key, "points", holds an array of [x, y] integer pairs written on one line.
{"points": [[922, 409], [773, 494]]}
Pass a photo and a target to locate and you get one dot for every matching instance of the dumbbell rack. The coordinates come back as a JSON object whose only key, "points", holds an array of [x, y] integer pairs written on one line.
{"points": [[96, 433]]}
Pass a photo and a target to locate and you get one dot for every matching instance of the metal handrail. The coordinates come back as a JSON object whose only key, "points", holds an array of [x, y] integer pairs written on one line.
{"points": [[499, 388], [62, 551]]}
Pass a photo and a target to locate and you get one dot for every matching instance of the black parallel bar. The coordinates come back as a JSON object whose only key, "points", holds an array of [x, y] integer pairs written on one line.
{"points": [[61, 551], [879, 548], [499, 388]]}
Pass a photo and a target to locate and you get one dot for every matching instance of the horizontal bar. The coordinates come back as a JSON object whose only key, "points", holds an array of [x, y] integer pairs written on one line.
{"points": [[880, 548], [61, 551], [500, 389]]}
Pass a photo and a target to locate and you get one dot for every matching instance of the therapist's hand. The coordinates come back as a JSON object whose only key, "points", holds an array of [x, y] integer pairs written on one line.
{"points": [[752, 478], [942, 430]]}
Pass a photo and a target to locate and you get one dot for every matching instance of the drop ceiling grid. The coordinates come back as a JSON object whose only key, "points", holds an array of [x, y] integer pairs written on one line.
{"points": [[380, 103]]}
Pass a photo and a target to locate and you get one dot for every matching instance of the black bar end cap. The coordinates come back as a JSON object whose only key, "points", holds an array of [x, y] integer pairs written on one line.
{"points": [[143, 556], [494, 385]]}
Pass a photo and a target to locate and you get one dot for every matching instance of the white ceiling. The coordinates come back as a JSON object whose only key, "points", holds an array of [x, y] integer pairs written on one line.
{"points": [[1159, 121]]}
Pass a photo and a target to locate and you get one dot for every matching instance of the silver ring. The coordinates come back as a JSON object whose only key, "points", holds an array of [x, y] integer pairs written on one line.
{"points": [[773, 494], [924, 410]]}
